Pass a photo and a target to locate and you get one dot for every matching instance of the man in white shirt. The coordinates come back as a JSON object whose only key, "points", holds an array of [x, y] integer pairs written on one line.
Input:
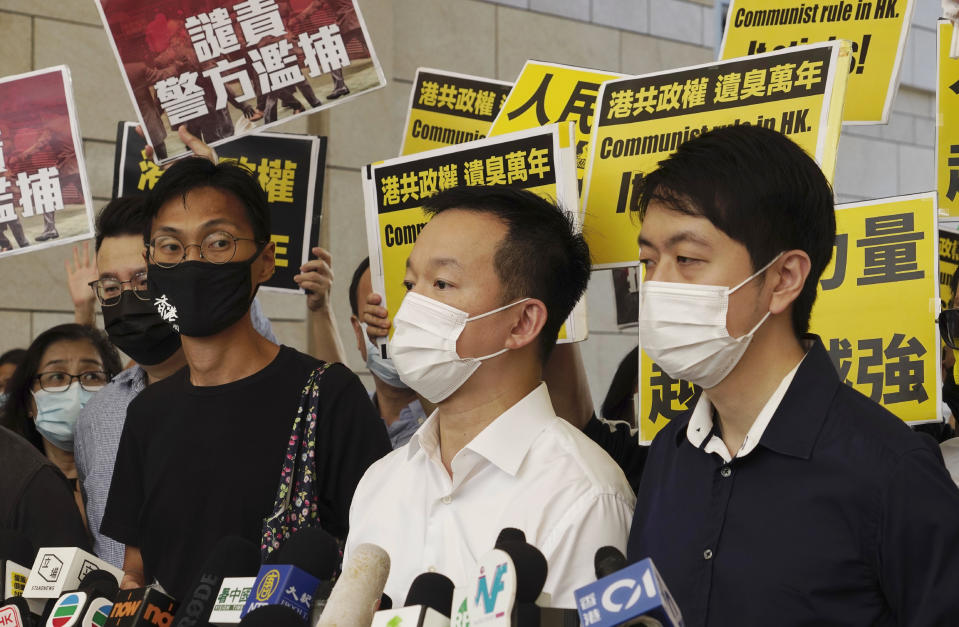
{"points": [[491, 279]]}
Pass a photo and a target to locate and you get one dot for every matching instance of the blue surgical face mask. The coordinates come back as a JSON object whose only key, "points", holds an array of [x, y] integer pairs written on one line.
{"points": [[382, 368], [3, 398], [57, 414]]}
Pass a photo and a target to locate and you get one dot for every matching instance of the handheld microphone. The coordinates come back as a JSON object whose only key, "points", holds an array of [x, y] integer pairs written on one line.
{"points": [[141, 607], [428, 604], [608, 560], [531, 571], [60, 569], [231, 599], [293, 574], [97, 589], [357, 593], [273, 616], [15, 612], [232, 556], [509, 534], [630, 596]]}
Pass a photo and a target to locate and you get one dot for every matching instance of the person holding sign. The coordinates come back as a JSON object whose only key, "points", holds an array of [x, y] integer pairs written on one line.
{"points": [[490, 280], [784, 497]]}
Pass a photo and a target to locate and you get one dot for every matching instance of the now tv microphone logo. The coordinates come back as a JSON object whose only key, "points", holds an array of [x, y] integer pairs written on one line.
{"points": [[635, 592]]}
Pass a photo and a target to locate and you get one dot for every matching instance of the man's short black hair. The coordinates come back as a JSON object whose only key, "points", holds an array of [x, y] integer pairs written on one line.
{"points": [[542, 255], [355, 283], [122, 216], [193, 173], [758, 187]]}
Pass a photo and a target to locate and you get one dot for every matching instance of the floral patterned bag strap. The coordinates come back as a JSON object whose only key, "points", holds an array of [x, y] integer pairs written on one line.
{"points": [[295, 505]]}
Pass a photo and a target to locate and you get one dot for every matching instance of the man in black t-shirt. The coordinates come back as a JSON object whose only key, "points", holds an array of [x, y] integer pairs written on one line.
{"points": [[201, 451]]}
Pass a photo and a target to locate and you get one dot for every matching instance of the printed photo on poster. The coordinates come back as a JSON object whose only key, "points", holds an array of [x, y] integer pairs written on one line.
{"points": [[44, 194], [290, 169], [225, 68]]}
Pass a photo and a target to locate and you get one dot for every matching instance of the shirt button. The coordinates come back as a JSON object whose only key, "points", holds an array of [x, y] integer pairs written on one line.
{"points": [[725, 471], [447, 500], [708, 554]]}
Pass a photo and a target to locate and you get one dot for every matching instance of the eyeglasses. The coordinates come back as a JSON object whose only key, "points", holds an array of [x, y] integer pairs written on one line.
{"points": [[108, 291], [91, 381], [167, 251], [949, 327]]}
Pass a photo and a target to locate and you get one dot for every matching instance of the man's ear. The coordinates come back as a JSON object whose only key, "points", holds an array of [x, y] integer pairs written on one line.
{"points": [[266, 263], [529, 324], [791, 273]]}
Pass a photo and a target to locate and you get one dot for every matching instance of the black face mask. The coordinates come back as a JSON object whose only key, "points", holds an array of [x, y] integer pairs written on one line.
{"points": [[135, 328], [200, 298]]}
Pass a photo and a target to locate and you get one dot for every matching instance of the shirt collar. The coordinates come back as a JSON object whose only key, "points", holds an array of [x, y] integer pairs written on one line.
{"points": [[797, 423], [505, 441], [794, 425]]}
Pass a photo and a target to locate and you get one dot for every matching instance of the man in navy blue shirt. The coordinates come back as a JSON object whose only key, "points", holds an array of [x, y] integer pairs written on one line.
{"points": [[784, 497]]}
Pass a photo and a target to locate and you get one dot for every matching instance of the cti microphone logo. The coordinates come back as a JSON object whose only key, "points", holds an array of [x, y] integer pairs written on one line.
{"points": [[488, 594], [624, 603], [267, 585]]}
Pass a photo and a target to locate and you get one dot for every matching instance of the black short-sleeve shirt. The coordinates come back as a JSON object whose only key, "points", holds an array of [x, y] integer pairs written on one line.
{"points": [[199, 463]]}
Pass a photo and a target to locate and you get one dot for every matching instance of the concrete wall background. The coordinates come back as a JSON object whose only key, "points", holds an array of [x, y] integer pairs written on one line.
{"points": [[483, 37]]}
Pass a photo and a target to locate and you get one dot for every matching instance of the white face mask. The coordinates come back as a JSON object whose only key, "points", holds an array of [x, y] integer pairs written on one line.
{"points": [[682, 327], [423, 347]]}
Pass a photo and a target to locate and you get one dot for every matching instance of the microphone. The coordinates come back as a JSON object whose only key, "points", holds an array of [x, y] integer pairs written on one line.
{"points": [[632, 595], [357, 593], [232, 556], [15, 612], [608, 560], [61, 569], [273, 616], [531, 571], [97, 589], [140, 607], [509, 534], [428, 604], [293, 574]]}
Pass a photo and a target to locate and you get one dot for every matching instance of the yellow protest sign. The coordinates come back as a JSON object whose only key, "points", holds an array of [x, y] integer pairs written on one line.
{"points": [[546, 93], [878, 302], [641, 120], [447, 108], [948, 258], [540, 160], [947, 125], [876, 28], [875, 313]]}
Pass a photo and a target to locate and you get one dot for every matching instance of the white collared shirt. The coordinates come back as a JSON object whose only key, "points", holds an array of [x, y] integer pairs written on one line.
{"points": [[528, 469], [701, 422]]}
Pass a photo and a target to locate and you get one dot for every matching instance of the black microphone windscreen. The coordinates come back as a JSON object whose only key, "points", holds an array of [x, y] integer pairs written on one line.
{"points": [[510, 534], [100, 583], [232, 556], [531, 569], [20, 603], [608, 560], [273, 616], [312, 550], [16, 547], [386, 603], [432, 590]]}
